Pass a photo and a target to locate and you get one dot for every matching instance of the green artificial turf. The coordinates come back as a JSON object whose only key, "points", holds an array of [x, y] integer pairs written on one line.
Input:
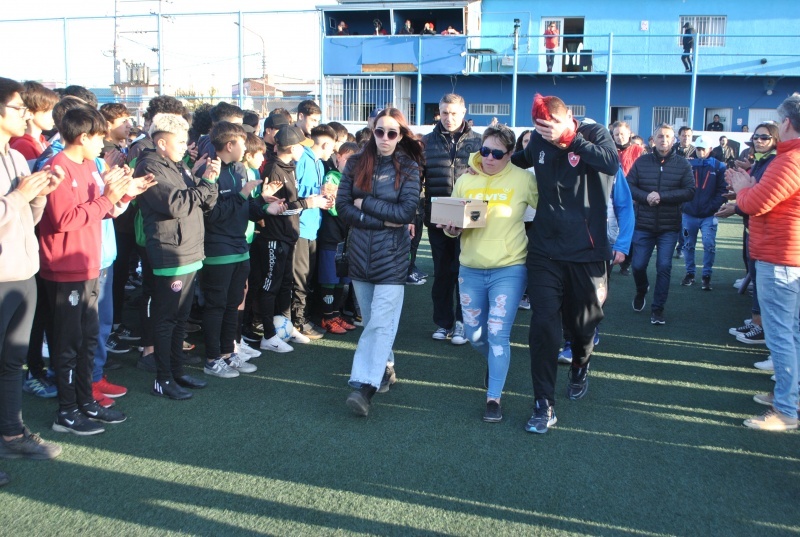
{"points": [[656, 448]]}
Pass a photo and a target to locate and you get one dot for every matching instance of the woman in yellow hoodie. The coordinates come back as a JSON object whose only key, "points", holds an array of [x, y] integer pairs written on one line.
{"points": [[492, 277]]}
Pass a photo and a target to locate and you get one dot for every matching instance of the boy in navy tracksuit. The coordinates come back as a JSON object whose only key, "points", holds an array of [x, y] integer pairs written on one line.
{"points": [[698, 214]]}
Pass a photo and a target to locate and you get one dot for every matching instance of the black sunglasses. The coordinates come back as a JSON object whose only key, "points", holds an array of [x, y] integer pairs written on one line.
{"points": [[496, 153], [763, 137], [380, 133]]}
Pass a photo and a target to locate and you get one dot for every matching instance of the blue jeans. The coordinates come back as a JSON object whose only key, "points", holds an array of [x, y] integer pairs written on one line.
{"points": [[105, 311], [489, 301], [708, 228], [779, 297], [381, 306], [643, 244]]}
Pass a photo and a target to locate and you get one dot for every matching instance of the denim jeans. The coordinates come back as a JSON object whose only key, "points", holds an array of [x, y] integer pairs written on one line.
{"points": [[381, 306], [105, 311], [708, 229], [779, 296], [489, 301], [643, 244]]}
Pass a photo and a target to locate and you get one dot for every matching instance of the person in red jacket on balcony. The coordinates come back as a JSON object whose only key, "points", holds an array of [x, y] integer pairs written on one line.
{"points": [[551, 44]]}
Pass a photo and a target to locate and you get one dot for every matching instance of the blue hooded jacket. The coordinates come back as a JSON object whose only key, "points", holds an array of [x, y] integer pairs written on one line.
{"points": [[709, 180]]}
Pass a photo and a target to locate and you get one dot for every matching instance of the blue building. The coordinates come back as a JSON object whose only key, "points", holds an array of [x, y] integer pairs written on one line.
{"points": [[614, 59]]}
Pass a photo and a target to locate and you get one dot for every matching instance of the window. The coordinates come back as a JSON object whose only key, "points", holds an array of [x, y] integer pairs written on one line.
{"points": [[578, 110], [489, 109], [354, 98], [715, 25], [671, 115]]}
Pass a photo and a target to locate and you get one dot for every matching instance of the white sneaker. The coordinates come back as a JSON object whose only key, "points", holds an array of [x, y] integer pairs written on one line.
{"points": [[738, 283], [297, 337], [458, 337], [218, 368], [766, 365], [245, 351], [275, 344], [235, 361]]}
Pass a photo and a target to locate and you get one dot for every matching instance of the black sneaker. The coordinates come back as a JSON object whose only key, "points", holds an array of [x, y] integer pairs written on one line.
{"points": [[389, 378], [639, 301], [360, 400], [126, 334], [625, 271], [112, 365], [76, 423], [688, 279], [494, 413], [147, 362], [706, 283], [657, 317], [30, 446], [578, 384], [170, 389], [250, 335], [95, 412], [116, 345], [544, 416]]}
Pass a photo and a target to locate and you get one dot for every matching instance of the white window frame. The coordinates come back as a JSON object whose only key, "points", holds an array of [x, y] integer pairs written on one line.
{"points": [[711, 29], [669, 115], [578, 110], [483, 109]]}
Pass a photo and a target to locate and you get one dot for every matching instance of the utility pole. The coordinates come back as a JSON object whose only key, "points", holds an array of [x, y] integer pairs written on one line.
{"points": [[514, 78]]}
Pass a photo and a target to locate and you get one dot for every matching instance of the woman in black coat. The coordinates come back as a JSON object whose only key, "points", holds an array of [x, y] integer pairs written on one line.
{"points": [[377, 198]]}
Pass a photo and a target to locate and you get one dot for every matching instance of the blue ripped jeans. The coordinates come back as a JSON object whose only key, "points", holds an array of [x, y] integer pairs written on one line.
{"points": [[489, 301]]}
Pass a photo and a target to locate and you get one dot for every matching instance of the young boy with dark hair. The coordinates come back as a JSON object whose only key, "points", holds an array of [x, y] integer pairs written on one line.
{"points": [[70, 241], [172, 214], [272, 124], [254, 149], [308, 116], [81, 93], [40, 102], [118, 121], [223, 111], [250, 121]]}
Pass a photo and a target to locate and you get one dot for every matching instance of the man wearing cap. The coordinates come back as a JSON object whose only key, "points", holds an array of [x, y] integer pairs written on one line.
{"points": [[698, 214], [274, 121], [278, 234]]}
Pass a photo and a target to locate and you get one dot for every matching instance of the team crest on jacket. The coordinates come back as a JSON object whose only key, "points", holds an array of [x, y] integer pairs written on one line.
{"points": [[573, 159], [176, 286]]}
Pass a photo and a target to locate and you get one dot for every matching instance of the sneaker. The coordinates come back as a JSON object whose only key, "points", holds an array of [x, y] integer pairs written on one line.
{"points": [[657, 317], [298, 337], [754, 337], [311, 332], [101, 399], [360, 400], [639, 300], [706, 283], [544, 416], [191, 328], [746, 327], [190, 359], [423, 275], [678, 252], [738, 283], [441, 334], [275, 344], [170, 389], [111, 364], [333, 327], [458, 337], [565, 356], [95, 412], [235, 361], [625, 271], [358, 320], [246, 351], [108, 389], [126, 334], [219, 368], [414, 279], [771, 420], [525, 303], [76, 423], [762, 399], [250, 336], [494, 412], [578, 384], [389, 378], [766, 365], [39, 387], [345, 324], [688, 279], [147, 362], [116, 345], [29, 446]]}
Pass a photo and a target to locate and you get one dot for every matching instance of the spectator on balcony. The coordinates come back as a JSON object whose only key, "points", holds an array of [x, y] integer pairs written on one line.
{"points": [[745, 128], [716, 125], [688, 46], [342, 29], [550, 45], [407, 29], [378, 27], [429, 29], [450, 31]]}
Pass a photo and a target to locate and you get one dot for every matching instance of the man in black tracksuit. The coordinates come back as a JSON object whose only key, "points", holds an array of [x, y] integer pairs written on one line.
{"points": [[568, 248], [447, 151]]}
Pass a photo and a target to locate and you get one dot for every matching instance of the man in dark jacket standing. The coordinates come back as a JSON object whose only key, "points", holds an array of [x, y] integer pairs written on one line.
{"points": [[447, 151], [660, 183], [568, 247]]}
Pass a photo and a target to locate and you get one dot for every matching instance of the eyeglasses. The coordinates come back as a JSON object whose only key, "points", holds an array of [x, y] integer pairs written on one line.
{"points": [[497, 154], [21, 109], [390, 135], [762, 137]]}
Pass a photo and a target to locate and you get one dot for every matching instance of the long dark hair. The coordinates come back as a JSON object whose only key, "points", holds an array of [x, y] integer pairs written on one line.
{"points": [[410, 145]]}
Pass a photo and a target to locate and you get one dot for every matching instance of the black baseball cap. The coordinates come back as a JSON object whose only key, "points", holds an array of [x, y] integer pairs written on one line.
{"points": [[291, 135], [275, 121]]}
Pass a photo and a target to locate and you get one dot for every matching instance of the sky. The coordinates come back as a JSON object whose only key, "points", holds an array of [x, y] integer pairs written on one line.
{"points": [[199, 52]]}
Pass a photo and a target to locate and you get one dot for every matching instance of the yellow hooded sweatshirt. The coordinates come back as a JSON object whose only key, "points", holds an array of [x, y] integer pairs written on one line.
{"points": [[503, 242]]}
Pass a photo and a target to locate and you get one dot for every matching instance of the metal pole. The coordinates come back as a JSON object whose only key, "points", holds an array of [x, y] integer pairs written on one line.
{"points": [[160, 53], [66, 55], [693, 89], [514, 76], [241, 62], [608, 78], [419, 82], [323, 94]]}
